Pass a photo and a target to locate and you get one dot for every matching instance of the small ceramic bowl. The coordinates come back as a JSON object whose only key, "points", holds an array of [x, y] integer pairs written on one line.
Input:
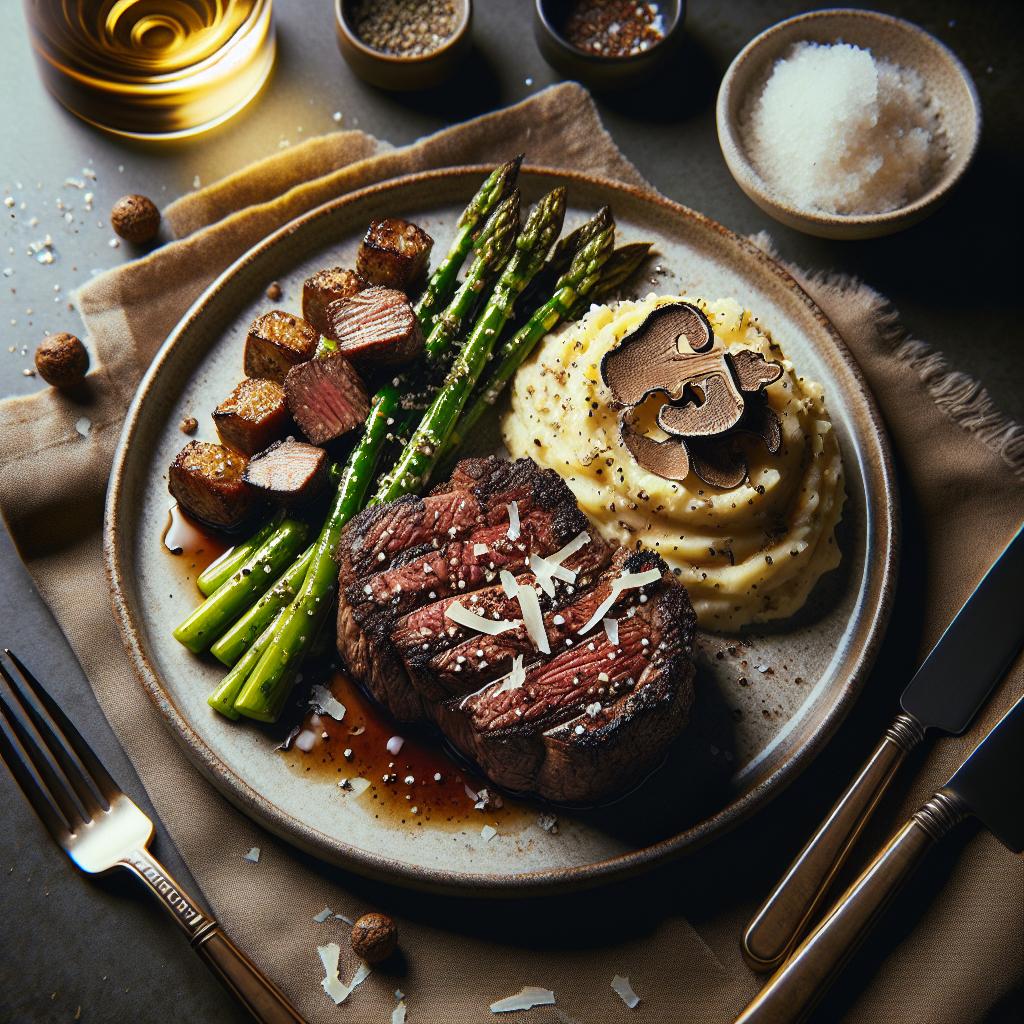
{"points": [[394, 71], [891, 38], [592, 69]]}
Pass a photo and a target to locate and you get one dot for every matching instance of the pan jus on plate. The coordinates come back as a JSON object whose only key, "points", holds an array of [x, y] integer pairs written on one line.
{"points": [[536, 610]]}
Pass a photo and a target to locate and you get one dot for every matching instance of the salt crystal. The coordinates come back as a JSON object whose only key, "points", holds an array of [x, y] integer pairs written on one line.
{"points": [[487, 833], [624, 991], [83, 425], [323, 915], [395, 744], [253, 856]]}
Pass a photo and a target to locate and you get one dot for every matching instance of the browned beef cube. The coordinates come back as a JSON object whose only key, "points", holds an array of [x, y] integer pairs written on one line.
{"points": [[375, 327], [328, 286], [394, 253], [278, 341], [253, 416], [207, 481], [326, 398], [288, 472]]}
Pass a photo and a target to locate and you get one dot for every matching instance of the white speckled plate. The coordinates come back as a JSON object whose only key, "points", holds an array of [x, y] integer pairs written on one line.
{"points": [[746, 740]]}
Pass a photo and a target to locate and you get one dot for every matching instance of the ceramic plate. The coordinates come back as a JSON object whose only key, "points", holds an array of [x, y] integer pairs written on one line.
{"points": [[768, 699]]}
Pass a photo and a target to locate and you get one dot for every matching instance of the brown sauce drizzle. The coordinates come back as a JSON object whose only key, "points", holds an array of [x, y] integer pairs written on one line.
{"points": [[441, 803], [193, 546]]}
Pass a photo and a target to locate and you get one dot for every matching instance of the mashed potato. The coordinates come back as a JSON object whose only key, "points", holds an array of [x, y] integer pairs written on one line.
{"points": [[746, 555]]}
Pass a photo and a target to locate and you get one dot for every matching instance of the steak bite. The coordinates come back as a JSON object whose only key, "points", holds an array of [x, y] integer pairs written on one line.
{"points": [[327, 286], [253, 416], [207, 481], [289, 472], [326, 398], [394, 253], [375, 327], [276, 342]]}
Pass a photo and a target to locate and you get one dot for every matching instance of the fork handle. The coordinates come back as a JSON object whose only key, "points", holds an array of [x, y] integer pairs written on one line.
{"points": [[242, 978], [795, 988], [777, 926]]}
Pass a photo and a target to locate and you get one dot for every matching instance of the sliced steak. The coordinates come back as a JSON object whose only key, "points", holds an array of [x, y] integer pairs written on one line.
{"points": [[573, 717], [326, 398], [375, 327], [207, 481], [327, 286], [289, 472], [253, 416], [394, 253], [276, 342]]}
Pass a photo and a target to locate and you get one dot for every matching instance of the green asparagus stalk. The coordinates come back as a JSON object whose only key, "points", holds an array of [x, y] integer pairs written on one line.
{"points": [[224, 605], [221, 570], [492, 250], [239, 638], [270, 680], [443, 281], [420, 455], [621, 266], [594, 242], [223, 698]]}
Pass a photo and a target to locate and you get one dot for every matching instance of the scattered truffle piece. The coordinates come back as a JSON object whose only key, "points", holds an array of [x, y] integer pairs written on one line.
{"points": [[135, 218], [288, 472], [189, 425], [374, 937], [207, 480], [253, 416], [62, 360], [277, 341], [274, 292], [375, 327], [328, 286], [326, 398], [394, 253]]}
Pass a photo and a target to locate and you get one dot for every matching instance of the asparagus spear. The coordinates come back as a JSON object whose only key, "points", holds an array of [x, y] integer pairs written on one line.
{"points": [[442, 281], [221, 570], [237, 640], [267, 685], [492, 248], [593, 248], [223, 698], [224, 605], [420, 455], [621, 266]]}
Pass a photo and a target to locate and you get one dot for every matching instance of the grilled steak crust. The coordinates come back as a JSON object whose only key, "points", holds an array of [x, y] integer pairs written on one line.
{"points": [[276, 342], [253, 416], [375, 327], [207, 481], [327, 286], [578, 725], [394, 253], [326, 397], [289, 472]]}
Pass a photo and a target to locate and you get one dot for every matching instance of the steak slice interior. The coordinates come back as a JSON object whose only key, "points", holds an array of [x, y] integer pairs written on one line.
{"points": [[579, 724], [326, 398], [375, 327], [289, 472]]}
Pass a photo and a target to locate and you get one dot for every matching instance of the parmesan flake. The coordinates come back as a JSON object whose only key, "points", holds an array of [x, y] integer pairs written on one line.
{"points": [[462, 616]]}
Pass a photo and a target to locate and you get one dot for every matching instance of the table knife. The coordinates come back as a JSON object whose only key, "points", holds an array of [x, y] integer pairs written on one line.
{"points": [[945, 694], [989, 785]]}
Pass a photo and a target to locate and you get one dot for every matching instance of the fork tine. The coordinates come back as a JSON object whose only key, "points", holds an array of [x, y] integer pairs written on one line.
{"points": [[17, 761], [56, 746], [94, 770]]}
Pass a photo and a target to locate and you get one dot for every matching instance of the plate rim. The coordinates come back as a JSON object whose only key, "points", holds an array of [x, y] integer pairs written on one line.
{"points": [[881, 526]]}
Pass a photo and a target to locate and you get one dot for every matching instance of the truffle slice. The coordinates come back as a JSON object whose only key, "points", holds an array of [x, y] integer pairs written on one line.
{"points": [[326, 398], [278, 341], [253, 416], [394, 253], [328, 286], [376, 327], [668, 459], [289, 472], [207, 481]]}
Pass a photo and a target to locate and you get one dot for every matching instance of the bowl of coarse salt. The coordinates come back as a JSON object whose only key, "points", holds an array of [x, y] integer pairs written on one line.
{"points": [[847, 123]]}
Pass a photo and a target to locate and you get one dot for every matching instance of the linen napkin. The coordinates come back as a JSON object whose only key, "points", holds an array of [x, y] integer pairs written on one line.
{"points": [[675, 931]]}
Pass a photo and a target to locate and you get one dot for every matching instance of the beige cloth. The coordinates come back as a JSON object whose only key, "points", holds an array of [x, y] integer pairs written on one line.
{"points": [[675, 931]]}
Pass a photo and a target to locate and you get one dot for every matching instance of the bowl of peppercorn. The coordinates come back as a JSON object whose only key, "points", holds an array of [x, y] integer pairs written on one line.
{"points": [[608, 44], [398, 45]]}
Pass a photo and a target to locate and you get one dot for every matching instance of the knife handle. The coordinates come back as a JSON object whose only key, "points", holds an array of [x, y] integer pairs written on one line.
{"points": [[795, 988], [777, 926]]}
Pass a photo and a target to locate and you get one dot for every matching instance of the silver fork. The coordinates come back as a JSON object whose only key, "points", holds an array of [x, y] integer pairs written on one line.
{"points": [[100, 828]]}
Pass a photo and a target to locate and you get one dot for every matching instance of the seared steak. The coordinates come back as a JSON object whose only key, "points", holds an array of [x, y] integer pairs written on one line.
{"points": [[578, 673], [289, 472], [375, 327], [253, 416], [326, 397], [327, 286], [207, 481], [276, 342], [394, 253]]}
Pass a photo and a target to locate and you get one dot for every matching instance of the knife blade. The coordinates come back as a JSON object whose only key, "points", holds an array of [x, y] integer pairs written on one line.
{"points": [[974, 650], [989, 785], [944, 694]]}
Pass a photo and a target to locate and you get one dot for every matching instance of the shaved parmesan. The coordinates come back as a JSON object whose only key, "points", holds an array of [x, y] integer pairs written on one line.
{"points": [[571, 548], [323, 915], [398, 1013], [479, 549], [624, 991], [462, 616], [611, 630], [331, 983], [513, 521], [627, 581], [529, 605], [508, 584], [527, 998], [253, 856], [515, 679], [549, 569], [326, 703], [305, 740], [487, 833]]}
